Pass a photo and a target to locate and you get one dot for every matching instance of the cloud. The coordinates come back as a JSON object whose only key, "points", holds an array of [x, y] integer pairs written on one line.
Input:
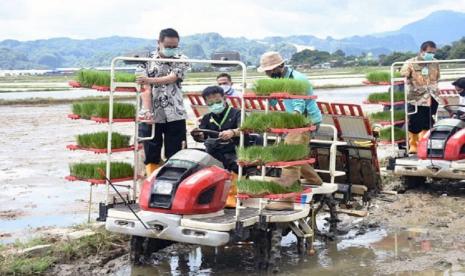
{"points": [[30, 19]]}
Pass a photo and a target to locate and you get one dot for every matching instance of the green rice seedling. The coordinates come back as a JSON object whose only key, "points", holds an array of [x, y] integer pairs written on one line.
{"points": [[261, 122], [101, 109], [76, 108], [88, 78], [99, 140], [386, 116], [385, 134], [260, 187], [265, 87], [85, 109], [120, 110], [90, 170], [279, 152], [381, 76], [385, 97]]}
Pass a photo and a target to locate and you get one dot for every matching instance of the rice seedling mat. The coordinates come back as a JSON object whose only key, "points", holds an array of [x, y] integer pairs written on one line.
{"points": [[99, 151]]}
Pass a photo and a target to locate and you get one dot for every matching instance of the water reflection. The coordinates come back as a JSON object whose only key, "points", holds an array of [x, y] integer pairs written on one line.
{"points": [[371, 253]]}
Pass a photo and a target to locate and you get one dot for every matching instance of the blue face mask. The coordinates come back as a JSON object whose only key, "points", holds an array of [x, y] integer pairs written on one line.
{"points": [[428, 56], [216, 108], [170, 52]]}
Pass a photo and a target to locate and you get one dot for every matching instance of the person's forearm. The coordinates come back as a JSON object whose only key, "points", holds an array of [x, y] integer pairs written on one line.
{"points": [[146, 97], [172, 78]]}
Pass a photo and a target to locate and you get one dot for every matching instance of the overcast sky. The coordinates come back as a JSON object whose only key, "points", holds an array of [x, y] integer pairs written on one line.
{"points": [[39, 19]]}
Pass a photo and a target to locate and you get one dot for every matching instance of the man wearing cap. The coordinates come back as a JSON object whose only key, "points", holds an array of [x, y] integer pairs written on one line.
{"points": [[273, 65]]}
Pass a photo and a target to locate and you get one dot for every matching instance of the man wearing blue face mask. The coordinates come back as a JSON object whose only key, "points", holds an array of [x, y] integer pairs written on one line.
{"points": [[422, 81], [162, 101]]}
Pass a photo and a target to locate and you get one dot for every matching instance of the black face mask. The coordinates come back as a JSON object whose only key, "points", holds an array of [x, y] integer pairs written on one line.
{"points": [[276, 75]]}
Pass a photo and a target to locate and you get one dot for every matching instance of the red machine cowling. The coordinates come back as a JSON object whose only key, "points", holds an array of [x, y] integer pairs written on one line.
{"points": [[204, 191], [454, 146]]}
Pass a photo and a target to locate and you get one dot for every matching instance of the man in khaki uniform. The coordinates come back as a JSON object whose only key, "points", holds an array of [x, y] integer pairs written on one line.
{"points": [[422, 81]]}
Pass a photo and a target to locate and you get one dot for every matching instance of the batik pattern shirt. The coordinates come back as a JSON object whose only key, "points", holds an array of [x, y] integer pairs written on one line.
{"points": [[168, 105]]}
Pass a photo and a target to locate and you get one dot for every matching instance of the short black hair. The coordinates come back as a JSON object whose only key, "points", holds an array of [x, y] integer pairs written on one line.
{"points": [[427, 44], [223, 75], [460, 82], [169, 32], [211, 90]]}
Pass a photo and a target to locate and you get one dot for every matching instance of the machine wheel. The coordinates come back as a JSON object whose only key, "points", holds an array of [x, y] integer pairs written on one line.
{"points": [[135, 249], [411, 182], [262, 244], [141, 248], [330, 203], [275, 250]]}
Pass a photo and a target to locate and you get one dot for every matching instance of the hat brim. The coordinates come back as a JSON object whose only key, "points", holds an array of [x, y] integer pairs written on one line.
{"points": [[262, 69]]}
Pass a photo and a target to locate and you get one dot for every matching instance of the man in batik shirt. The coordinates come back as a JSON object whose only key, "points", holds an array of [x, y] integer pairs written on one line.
{"points": [[162, 101]]}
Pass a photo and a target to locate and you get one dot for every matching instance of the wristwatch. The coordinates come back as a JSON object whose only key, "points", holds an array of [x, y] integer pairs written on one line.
{"points": [[144, 111]]}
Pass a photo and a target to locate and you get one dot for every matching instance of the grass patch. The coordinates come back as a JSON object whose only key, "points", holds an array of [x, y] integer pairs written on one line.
{"points": [[90, 170], [385, 97], [385, 134], [280, 152], [381, 76], [87, 78], [102, 244], [261, 122], [102, 109], [265, 87], [386, 116], [261, 187], [99, 140], [26, 265]]}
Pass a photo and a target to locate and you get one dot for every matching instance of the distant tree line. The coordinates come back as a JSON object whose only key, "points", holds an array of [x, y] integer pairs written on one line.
{"points": [[314, 58]]}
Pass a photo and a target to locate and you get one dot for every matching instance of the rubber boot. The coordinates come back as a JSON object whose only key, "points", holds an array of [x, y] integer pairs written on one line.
{"points": [[412, 140], [421, 135], [150, 168], [231, 199]]}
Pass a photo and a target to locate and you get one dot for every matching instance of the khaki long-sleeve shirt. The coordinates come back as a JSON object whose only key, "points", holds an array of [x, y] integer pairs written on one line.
{"points": [[422, 81]]}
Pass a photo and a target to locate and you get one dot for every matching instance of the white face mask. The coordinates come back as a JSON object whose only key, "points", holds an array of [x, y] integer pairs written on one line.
{"points": [[226, 88]]}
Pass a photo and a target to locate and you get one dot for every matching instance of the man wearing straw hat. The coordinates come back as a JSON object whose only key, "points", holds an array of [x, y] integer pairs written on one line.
{"points": [[273, 65]]}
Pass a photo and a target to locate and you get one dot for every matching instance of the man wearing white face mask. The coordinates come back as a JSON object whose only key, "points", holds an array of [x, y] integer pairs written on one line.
{"points": [[162, 101], [422, 80], [224, 81]]}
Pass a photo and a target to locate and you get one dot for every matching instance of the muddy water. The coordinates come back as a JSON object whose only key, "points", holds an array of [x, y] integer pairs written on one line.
{"points": [[374, 252]]}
